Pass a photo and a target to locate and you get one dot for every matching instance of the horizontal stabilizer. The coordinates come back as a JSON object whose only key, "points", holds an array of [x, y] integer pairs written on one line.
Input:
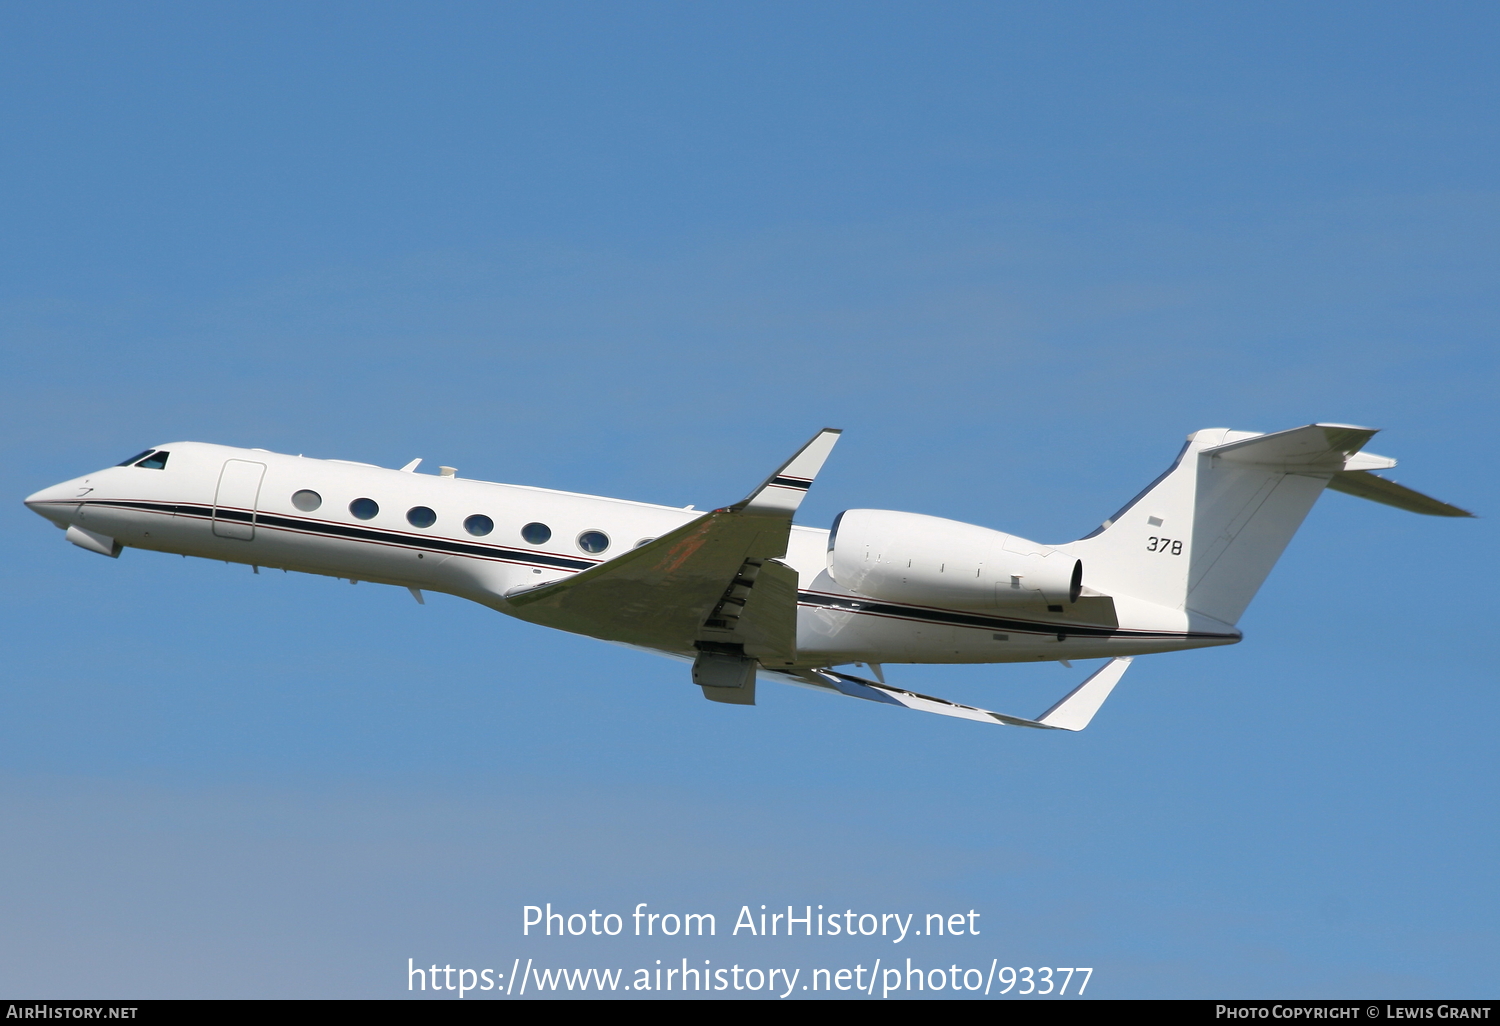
{"points": [[1312, 448], [1072, 713], [1368, 461], [1382, 489]]}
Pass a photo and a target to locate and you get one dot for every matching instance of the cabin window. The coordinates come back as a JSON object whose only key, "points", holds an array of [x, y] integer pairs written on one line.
{"points": [[307, 500], [421, 516], [364, 509], [479, 525], [593, 541], [140, 455], [537, 534], [156, 461]]}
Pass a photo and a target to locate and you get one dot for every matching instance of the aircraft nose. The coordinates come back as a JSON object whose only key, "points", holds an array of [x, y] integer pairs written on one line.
{"points": [[54, 503]]}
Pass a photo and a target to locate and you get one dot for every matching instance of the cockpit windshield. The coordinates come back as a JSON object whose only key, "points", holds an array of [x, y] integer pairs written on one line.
{"points": [[151, 459]]}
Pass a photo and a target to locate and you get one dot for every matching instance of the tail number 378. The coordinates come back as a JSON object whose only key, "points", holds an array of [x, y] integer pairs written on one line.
{"points": [[1172, 545]]}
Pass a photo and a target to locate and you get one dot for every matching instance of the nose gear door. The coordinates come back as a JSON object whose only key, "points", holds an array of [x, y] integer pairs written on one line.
{"points": [[235, 501]]}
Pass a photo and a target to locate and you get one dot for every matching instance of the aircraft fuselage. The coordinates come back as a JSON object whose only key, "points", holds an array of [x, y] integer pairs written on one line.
{"points": [[479, 540]]}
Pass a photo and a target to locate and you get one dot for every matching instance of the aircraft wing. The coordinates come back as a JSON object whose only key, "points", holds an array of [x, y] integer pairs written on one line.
{"points": [[1072, 712], [714, 579]]}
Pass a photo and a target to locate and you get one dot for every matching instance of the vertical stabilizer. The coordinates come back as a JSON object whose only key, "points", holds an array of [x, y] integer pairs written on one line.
{"points": [[1204, 535]]}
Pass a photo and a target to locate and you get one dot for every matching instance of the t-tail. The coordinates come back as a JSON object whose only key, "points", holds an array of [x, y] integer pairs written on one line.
{"points": [[1203, 536]]}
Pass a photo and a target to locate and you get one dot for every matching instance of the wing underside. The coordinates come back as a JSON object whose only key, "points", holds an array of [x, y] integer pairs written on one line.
{"points": [[1072, 712]]}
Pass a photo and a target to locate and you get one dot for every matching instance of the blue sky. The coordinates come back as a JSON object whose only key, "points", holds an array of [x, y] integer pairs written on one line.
{"points": [[1016, 252]]}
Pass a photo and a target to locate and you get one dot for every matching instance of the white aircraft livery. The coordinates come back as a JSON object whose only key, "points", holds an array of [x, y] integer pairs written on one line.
{"points": [[743, 592]]}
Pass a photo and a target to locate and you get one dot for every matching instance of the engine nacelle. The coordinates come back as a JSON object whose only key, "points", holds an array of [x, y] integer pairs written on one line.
{"points": [[908, 557]]}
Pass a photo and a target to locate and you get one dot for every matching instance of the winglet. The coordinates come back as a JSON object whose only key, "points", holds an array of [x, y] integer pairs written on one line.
{"points": [[1079, 705], [782, 492]]}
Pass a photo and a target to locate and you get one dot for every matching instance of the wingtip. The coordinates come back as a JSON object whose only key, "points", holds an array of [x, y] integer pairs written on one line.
{"points": [[1076, 709], [784, 489]]}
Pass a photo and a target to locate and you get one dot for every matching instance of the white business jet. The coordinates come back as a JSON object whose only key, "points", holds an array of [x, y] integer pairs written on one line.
{"points": [[743, 592]]}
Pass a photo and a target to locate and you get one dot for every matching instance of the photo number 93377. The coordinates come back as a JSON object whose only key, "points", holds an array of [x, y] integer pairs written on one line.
{"points": [[1040, 981]]}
